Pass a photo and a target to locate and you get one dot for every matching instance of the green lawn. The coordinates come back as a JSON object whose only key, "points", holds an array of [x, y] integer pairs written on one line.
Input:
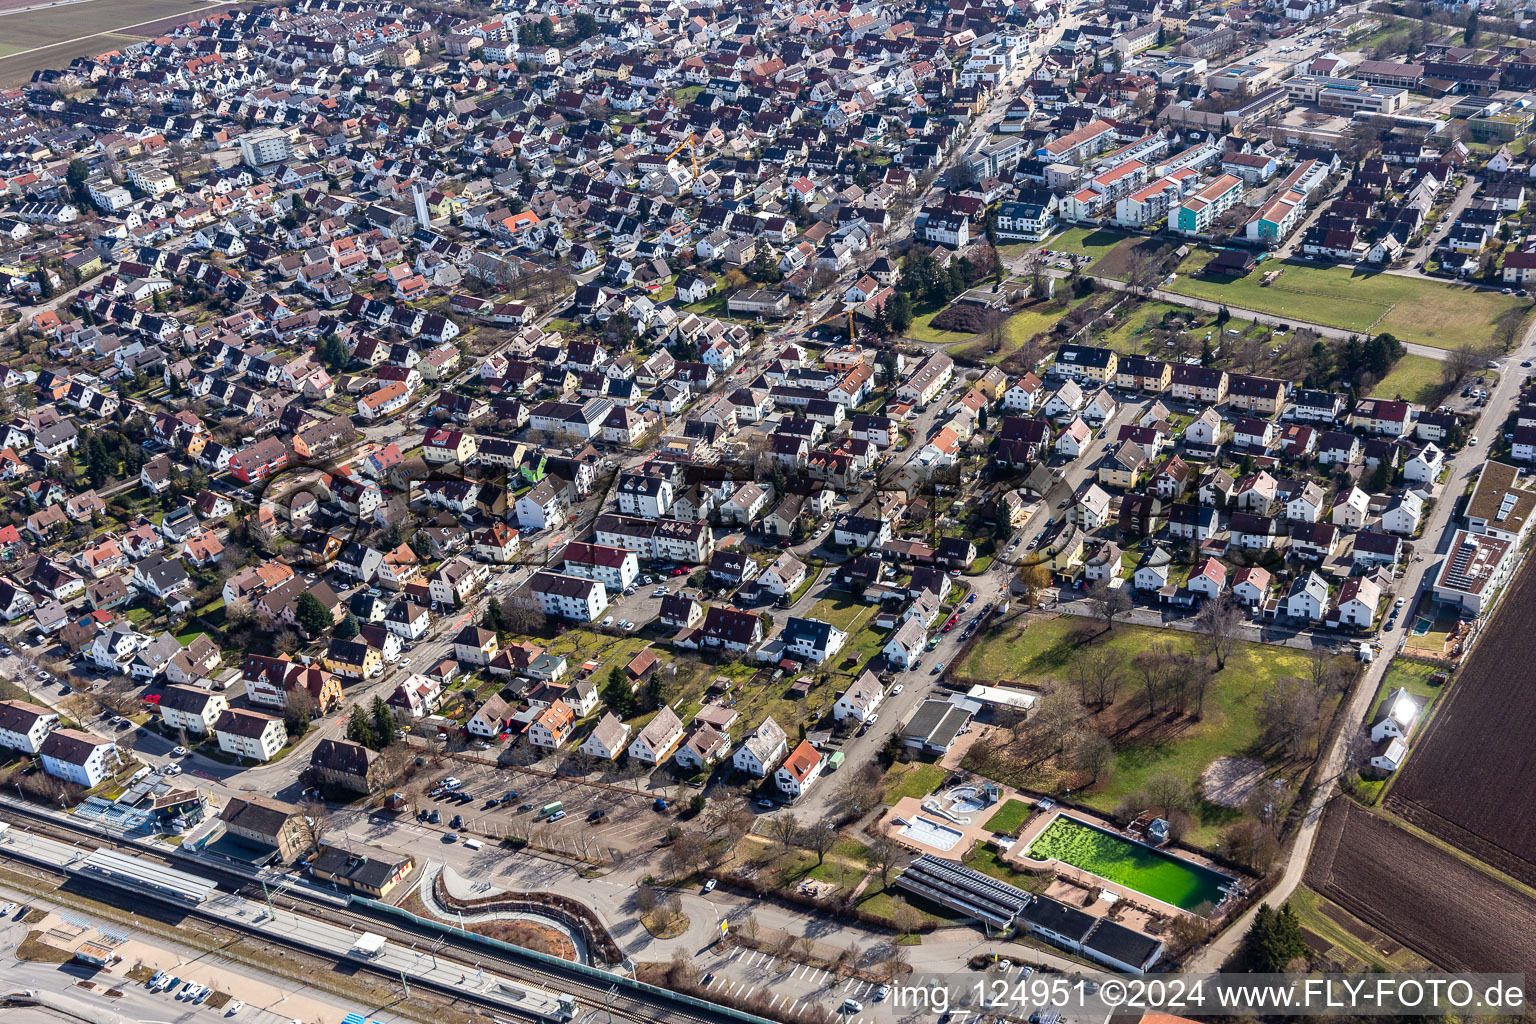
{"points": [[1186, 747], [1412, 676], [922, 329], [1427, 312], [1090, 242], [842, 610], [916, 779], [985, 858], [1414, 378], [1009, 817], [714, 306], [686, 95]]}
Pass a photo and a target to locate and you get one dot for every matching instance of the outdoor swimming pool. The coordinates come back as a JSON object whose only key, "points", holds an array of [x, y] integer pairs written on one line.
{"points": [[1153, 873], [931, 833], [966, 799]]}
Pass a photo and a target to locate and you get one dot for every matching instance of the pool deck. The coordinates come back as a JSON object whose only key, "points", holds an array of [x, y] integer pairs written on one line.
{"points": [[971, 834], [909, 807], [1016, 859]]}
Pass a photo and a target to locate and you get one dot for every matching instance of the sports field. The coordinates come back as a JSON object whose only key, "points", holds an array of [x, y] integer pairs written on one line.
{"points": [[1413, 309], [51, 37]]}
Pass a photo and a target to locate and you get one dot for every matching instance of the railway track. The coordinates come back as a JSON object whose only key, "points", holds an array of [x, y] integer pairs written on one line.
{"points": [[621, 1002]]}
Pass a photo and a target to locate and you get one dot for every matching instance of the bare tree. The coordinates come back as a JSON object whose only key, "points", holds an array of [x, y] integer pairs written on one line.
{"points": [[1170, 792], [1457, 364], [1288, 712], [312, 825], [646, 898], [885, 853], [895, 961], [784, 829], [1220, 623], [1097, 674], [1152, 669], [730, 817], [905, 917], [1058, 715], [1323, 670], [1199, 679], [819, 838], [1092, 752], [686, 854], [1108, 603]]}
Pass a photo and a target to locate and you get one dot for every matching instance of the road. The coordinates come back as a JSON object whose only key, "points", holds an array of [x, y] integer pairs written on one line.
{"points": [[1269, 319], [1440, 527]]}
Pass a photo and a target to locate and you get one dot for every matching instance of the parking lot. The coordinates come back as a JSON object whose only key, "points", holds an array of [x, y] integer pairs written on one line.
{"points": [[641, 605], [629, 820]]}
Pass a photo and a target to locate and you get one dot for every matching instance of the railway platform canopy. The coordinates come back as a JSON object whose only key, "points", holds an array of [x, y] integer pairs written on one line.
{"points": [[129, 872]]}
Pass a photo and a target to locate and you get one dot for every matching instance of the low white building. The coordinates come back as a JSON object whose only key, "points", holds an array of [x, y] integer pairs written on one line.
{"points": [[250, 734], [568, 597], [79, 757], [800, 770], [24, 725], [763, 751]]}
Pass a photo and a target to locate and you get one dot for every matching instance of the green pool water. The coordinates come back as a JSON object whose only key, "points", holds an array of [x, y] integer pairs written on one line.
{"points": [[1148, 871]]}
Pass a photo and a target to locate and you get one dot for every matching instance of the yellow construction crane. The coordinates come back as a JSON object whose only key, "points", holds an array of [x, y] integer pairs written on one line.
{"points": [[693, 151], [835, 316]]}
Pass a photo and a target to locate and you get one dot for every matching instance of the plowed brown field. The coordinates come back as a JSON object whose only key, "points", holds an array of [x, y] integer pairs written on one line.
{"points": [[1471, 778], [1442, 908]]}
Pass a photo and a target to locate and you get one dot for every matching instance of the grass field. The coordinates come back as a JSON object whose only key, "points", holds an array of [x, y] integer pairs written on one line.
{"points": [[922, 329], [1412, 676], [1090, 242], [1415, 378], [916, 780], [842, 610], [1426, 312], [1184, 747], [1009, 817]]}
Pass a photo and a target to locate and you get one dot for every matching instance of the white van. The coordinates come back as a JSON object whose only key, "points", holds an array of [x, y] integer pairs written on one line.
{"points": [[472, 844]]}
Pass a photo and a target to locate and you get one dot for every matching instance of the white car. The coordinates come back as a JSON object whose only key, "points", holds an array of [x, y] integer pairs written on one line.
{"points": [[178, 751], [171, 769], [608, 621], [234, 1008], [7, 910], [186, 990], [1473, 441], [709, 886], [896, 689]]}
